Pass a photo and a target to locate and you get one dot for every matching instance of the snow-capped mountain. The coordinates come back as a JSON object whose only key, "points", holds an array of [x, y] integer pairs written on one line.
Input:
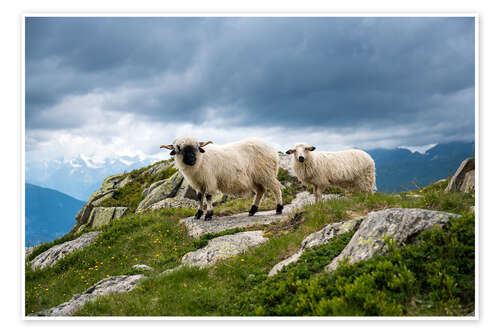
{"points": [[79, 176]]}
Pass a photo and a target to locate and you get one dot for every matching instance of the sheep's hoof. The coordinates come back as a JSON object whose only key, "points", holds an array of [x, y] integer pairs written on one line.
{"points": [[208, 215], [199, 213], [279, 209], [253, 210]]}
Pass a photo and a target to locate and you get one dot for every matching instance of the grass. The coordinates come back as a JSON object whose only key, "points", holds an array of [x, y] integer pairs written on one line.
{"points": [[433, 276]]}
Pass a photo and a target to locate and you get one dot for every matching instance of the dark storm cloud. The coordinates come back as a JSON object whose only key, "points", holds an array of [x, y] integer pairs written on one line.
{"points": [[333, 73]]}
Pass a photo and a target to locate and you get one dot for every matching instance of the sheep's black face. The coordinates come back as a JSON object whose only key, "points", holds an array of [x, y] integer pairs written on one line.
{"points": [[301, 159], [189, 155]]}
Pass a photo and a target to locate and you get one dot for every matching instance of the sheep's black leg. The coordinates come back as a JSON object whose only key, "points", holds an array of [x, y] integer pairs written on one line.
{"points": [[199, 213], [253, 210], [279, 209], [210, 209]]}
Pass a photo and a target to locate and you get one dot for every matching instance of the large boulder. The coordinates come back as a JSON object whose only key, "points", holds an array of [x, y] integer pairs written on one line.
{"points": [[320, 237], [463, 179], [223, 247], [401, 224], [160, 190], [103, 215], [110, 285], [50, 257], [109, 187]]}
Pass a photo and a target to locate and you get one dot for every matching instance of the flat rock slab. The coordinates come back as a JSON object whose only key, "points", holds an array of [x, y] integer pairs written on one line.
{"points": [[223, 247], [50, 257], [197, 228], [320, 237], [110, 285], [398, 223]]}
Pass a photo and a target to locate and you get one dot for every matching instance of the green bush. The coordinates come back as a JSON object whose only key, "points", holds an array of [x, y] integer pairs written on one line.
{"points": [[432, 276]]}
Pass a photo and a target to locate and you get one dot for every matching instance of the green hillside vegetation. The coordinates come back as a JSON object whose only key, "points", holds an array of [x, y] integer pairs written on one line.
{"points": [[432, 276]]}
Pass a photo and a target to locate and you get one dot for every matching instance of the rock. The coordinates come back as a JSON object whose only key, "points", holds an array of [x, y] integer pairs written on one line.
{"points": [[286, 162], [110, 285], [157, 168], [320, 237], [28, 250], [463, 179], [174, 203], [186, 191], [101, 200], [83, 215], [103, 215], [399, 223], [142, 267], [161, 191], [50, 257], [223, 247], [196, 228], [151, 187]]}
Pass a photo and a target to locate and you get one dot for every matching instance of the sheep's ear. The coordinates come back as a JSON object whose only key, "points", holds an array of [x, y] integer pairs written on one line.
{"points": [[310, 148], [203, 144], [173, 152], [171, 147], [290, 151], [201, 150]]}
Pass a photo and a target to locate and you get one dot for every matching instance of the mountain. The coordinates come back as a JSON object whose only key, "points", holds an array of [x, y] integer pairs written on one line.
{"points": [[398, 169], [49, 214], [81, 176]]}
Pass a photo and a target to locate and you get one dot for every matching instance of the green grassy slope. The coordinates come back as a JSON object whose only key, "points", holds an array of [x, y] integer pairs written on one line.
{"points": [[434, 276]]}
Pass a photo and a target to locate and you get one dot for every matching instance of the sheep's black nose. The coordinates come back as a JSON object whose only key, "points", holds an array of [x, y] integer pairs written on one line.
{"points": [[301, 158]]}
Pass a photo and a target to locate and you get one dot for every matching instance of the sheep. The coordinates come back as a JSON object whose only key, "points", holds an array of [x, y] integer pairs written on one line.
{"points": [[350, 169], [239, 168]]}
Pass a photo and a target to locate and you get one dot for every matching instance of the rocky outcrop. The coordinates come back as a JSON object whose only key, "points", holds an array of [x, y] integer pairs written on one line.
{"points": [[400, 224], [158, 168], [463, 179], [320, 237], [196, 228], [160, 190], [223, 247], [103, 215], [109, 186], [50, 257], [110, 285]]}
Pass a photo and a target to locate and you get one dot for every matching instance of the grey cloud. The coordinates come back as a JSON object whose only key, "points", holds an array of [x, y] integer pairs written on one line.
{"points": [[336, 73]]}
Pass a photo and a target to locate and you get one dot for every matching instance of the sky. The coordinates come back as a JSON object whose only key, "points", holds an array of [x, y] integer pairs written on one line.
{"points": [[109, 87]]}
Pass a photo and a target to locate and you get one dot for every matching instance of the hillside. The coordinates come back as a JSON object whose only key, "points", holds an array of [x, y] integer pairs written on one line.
{"points": [[49, 214], [228, 266]]}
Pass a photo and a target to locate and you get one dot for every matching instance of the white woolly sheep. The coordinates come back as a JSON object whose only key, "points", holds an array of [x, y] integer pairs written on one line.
{"points": [[350, 169], [248, 166]]}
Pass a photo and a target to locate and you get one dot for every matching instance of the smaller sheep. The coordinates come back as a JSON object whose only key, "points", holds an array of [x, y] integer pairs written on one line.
{"points": [[248, 166], [352, 170]]}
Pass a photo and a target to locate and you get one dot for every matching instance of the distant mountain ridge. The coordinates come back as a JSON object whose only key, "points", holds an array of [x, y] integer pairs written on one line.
{"points": [[49, 214], [397, 169], [81, 176]]}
